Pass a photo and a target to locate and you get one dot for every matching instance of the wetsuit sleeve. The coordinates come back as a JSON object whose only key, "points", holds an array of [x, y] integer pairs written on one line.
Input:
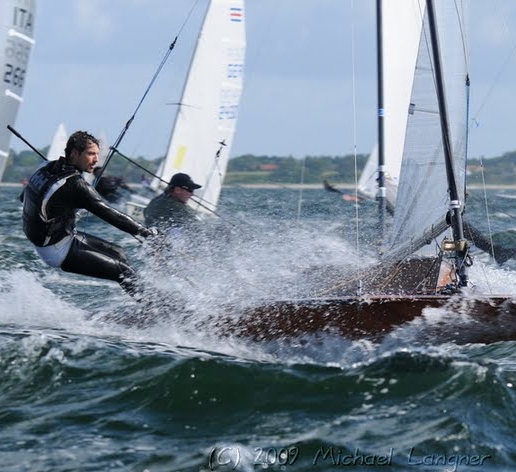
{"points": [[87, 197]]}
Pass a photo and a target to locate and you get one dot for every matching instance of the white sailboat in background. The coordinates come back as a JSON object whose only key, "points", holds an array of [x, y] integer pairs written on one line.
{"points": [[16, 38], [58, 145], [206, 119], [399, 30]]}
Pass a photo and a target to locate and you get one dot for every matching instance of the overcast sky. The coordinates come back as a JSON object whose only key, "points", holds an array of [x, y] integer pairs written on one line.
{"points": [[310, 77]]}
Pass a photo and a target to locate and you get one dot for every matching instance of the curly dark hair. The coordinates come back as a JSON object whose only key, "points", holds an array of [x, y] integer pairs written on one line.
{"points": [[79, 140]]}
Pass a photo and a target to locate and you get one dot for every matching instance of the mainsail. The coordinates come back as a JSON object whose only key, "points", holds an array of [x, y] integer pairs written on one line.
{"points": [[206, 118], [16, 38], [423, 201]]}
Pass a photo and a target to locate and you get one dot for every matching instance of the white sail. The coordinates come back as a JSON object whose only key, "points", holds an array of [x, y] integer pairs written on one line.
{"points": [[16, 38], [423, 196], [58, 145], [401, 29], [206, 118]]}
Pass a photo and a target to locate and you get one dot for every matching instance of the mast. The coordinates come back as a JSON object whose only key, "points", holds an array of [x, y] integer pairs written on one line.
{"points": [[381, 113], [455, 203]]}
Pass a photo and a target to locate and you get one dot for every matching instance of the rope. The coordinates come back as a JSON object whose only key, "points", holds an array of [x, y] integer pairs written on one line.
{"points": [[490, 232]]}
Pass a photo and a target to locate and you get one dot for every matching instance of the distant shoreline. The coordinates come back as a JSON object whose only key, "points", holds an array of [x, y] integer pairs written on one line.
{"points": [[265, 186], [351, 187]]}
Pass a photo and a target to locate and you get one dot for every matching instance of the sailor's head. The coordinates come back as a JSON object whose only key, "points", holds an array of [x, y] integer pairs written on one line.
{"points": [[182, 186], [82, 151], [183, 181]]}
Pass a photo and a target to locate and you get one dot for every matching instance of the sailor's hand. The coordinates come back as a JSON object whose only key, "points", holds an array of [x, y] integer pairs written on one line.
{"points": [[149, 232]]}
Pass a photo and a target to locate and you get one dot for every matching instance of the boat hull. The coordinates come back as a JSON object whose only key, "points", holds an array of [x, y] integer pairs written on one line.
{"points": [[484, 320]]}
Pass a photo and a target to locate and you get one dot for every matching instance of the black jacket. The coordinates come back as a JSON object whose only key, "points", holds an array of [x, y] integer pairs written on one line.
{"points": [[53, 196], [167, 211]]}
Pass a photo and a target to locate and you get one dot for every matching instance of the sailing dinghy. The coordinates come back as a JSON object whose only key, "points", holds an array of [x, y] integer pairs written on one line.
{"points": [[16, 38], [206, 117], [408, 281]]}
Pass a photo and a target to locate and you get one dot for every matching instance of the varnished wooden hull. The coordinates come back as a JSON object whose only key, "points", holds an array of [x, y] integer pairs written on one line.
{"points": [[484, 320]]}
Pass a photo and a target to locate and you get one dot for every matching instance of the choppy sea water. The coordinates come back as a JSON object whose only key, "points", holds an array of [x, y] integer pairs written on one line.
{"points": [[82, 392]]}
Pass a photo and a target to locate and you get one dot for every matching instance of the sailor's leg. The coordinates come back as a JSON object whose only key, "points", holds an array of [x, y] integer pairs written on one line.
{"points": [[95, 257], [103, 246]]}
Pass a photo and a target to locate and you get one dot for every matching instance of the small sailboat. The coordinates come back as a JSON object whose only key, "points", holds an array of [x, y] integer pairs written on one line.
{"points": [[207, 112], [17, 39], [424, 260]]}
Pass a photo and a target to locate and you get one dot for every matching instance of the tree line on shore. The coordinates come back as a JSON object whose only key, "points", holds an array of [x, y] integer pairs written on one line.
{"points": [[252, 169]]}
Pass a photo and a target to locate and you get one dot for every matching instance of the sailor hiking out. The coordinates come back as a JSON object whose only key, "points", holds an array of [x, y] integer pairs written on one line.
{"points": [[51, 199]]}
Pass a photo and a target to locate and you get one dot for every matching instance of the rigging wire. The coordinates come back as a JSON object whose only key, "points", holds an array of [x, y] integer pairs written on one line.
{"points": [[214, 168], [490, 232], [465, 52], [355, 154], [142, 99], [197, 200], [500, 71], [474, 122], [131, 119], [147, 90], [300, 197]]}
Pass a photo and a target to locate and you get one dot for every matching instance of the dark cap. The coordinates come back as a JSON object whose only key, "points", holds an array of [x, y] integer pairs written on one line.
{"points": [[183, 180]]}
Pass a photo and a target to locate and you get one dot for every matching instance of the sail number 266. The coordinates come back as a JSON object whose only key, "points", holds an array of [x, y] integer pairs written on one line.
{"points": [[17, 55], [14, 75]]}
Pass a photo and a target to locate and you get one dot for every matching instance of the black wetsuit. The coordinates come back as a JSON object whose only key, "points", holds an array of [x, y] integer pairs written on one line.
{"points": [[52, 197]]}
